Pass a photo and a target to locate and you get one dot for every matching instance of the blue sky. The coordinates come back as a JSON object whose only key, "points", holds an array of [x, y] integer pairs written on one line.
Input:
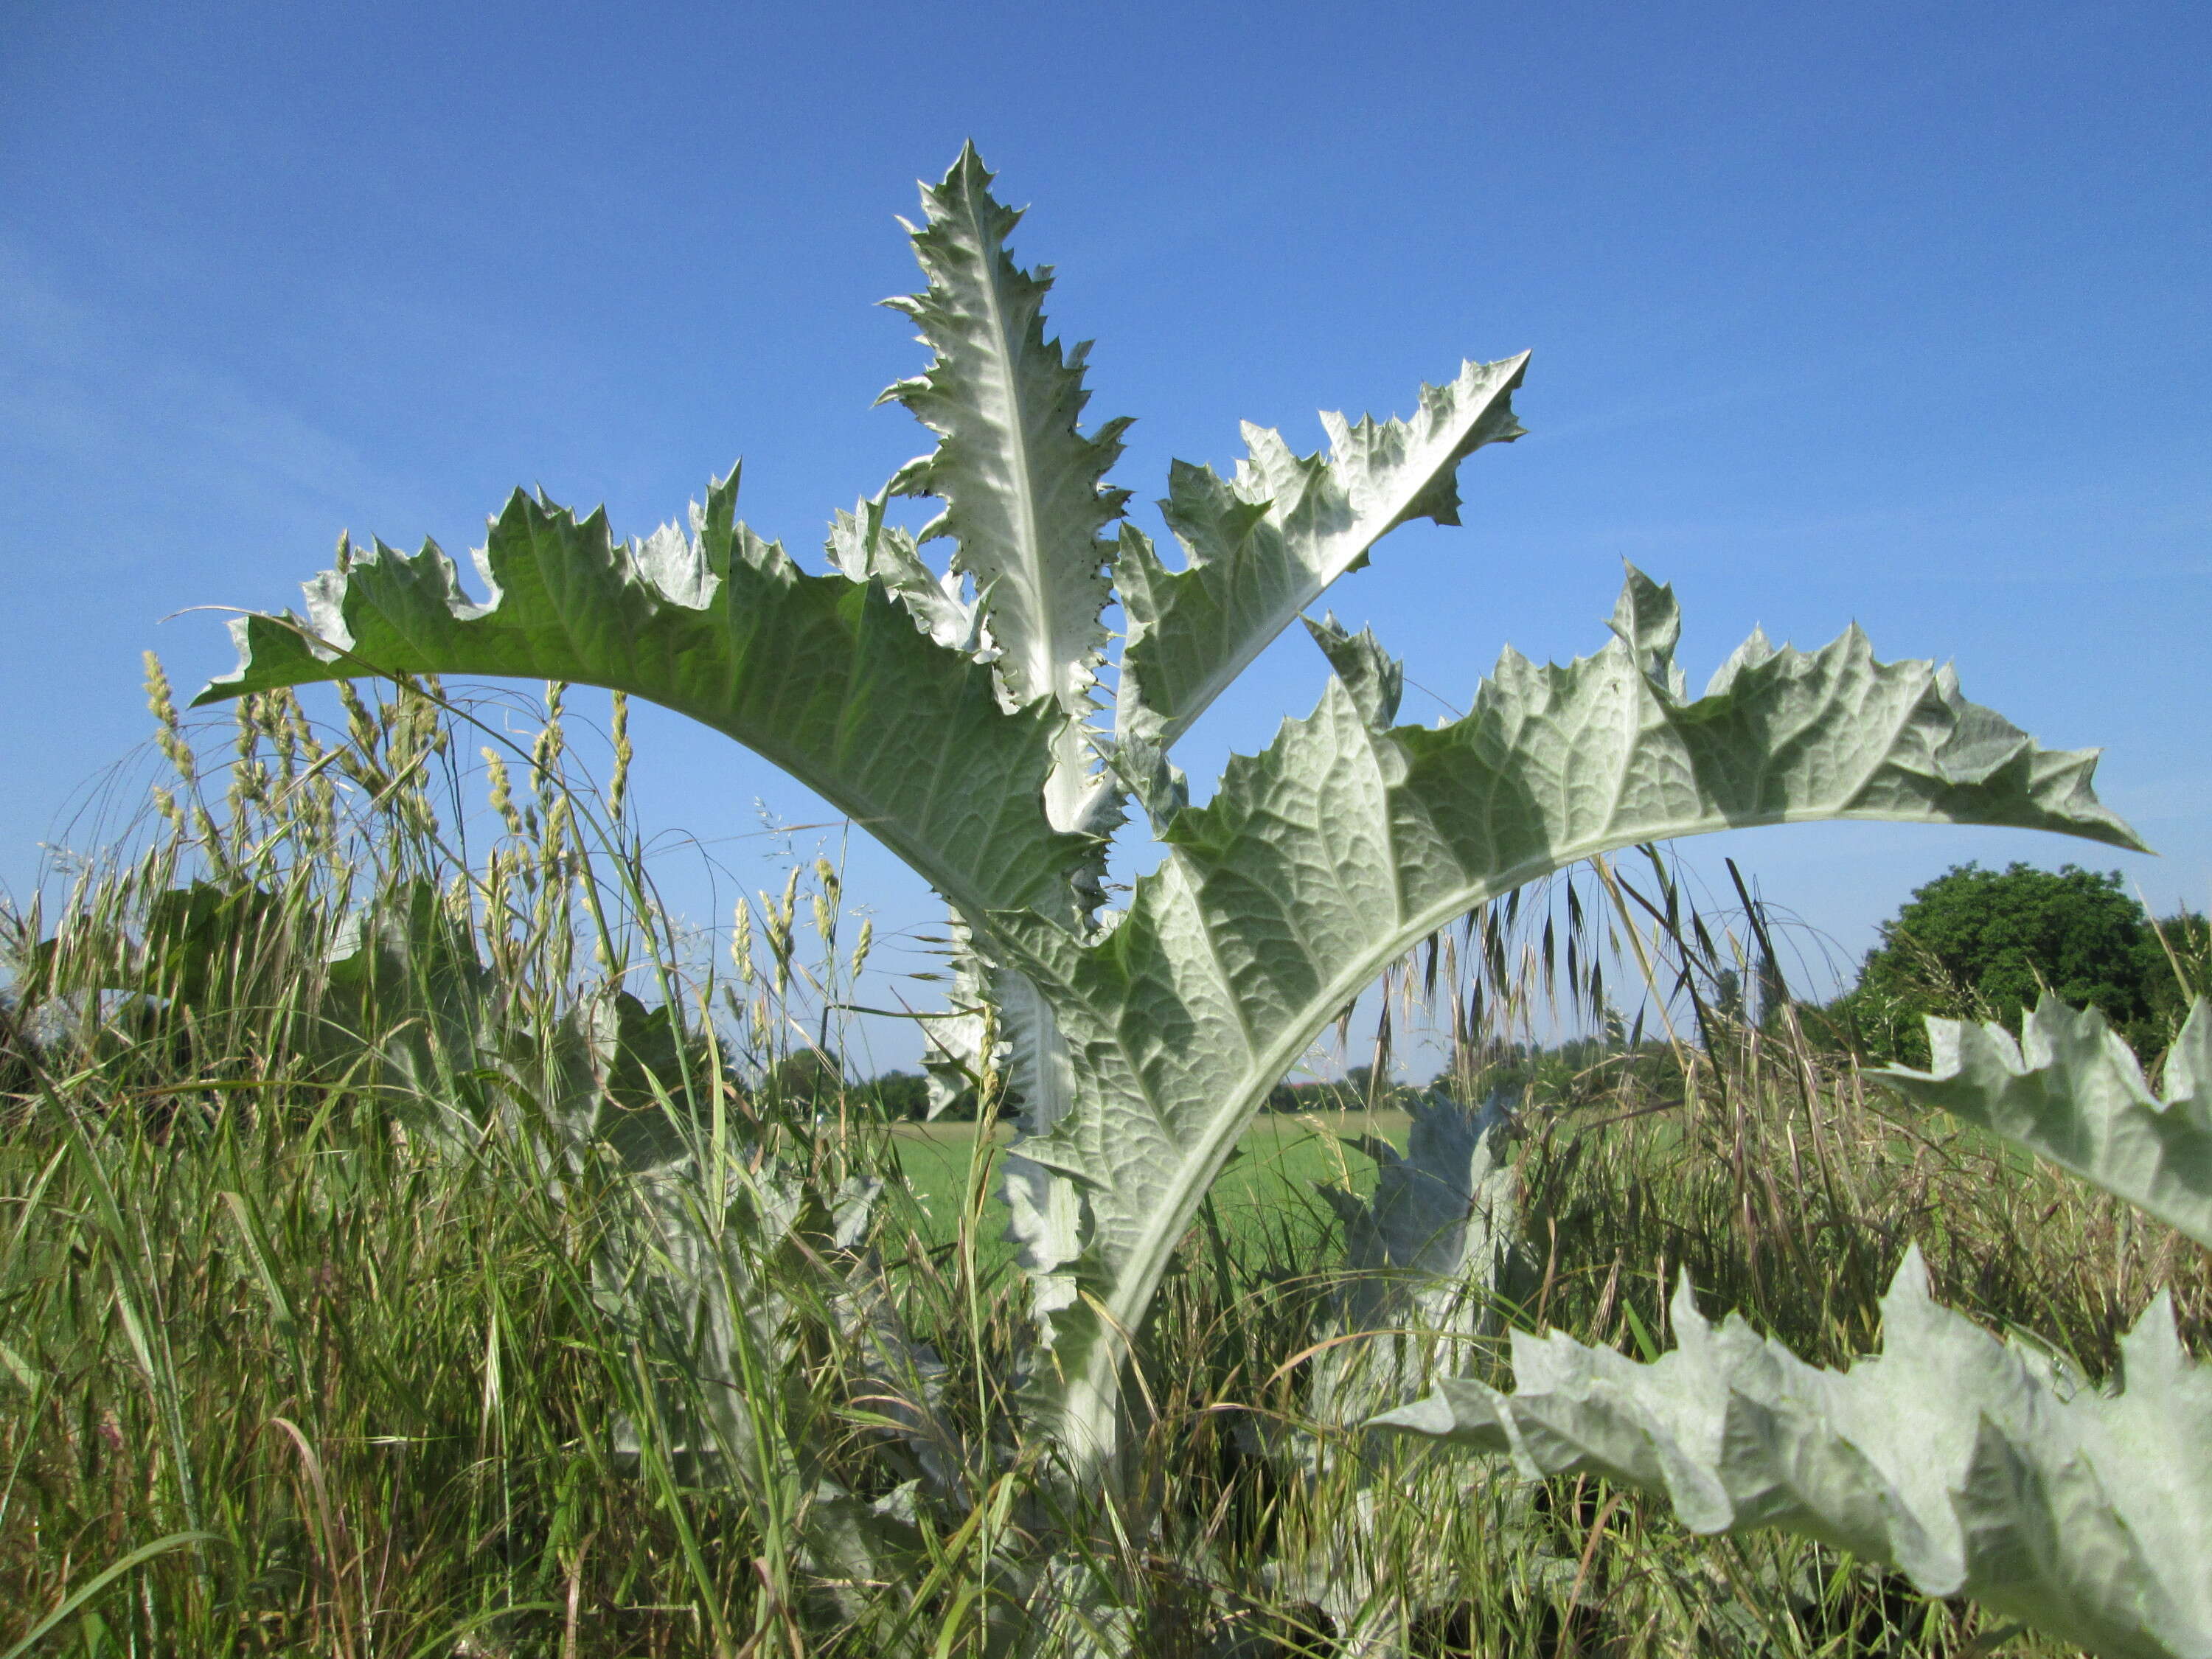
{"points": [[1887, 313]]}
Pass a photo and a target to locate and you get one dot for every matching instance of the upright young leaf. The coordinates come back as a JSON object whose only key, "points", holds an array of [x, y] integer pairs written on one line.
{"points": [[409, 1009], [701, 1265], [1322, 859], [1443, 1221], [1022, 486], [1264, 544], [2071, 1091], [1425, 1259], [828, 678], [615, 1073]]}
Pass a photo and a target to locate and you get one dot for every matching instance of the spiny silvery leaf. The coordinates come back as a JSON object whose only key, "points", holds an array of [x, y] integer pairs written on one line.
{"points": [[1072, 1613], [1024, 500], [1044, 1217], [212, 946], [702, 1263], [407, 1006], [828, 678], [1371, 1593], [1005, 1023], [2071, 1091], [956, 1044], [1973, 1467], [999, 1021], [1425, 1262], [1421, 1257], [1649, 623], [1160, 785], [1319, 860], [866, 549], [1264, 544], [1375, 678], [853, 1544], [697, 1284], [618, 1074], [1427, 1249], [214, 943], [906, 1376]]}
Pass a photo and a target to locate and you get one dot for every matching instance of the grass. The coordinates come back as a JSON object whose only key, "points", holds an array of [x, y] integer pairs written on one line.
{"points": [[288, 1365]]}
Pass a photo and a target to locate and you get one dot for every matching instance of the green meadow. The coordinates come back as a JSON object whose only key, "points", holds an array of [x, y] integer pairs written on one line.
{"points": [[296, 1358], [1264, 1202]]}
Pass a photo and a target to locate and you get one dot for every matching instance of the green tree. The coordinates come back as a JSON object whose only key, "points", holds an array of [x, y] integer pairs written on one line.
{"points": [[1982, 945], [2178, 949], [898, 1094]]}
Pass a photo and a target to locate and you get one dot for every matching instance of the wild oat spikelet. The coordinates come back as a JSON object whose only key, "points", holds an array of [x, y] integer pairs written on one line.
{"points": [[618, 787], [502, 792]]}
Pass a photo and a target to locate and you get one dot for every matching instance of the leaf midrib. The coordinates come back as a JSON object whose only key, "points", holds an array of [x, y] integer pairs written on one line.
{"points": [[1028, 548]]}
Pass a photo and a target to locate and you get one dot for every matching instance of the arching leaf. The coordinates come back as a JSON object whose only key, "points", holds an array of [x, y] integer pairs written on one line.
{"points": [[828, 678], [1322, 859], [1266, 542]]}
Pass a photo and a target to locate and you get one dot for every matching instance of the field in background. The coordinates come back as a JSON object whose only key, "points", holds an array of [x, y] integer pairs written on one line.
{"points": [[1265, 1198]]}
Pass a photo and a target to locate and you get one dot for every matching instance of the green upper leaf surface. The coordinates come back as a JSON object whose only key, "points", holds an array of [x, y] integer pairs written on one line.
{"points": [[2070, 1089], [1022, 486], [1974, 1468], [1322, 859], [831, 679]]}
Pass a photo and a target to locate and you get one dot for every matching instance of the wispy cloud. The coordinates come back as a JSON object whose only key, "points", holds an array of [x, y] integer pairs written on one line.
{"points": [[1649, 411], [77, 390]]}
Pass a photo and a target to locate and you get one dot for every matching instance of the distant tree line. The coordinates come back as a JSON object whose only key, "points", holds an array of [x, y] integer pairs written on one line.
{"points": [[1984, 945]]}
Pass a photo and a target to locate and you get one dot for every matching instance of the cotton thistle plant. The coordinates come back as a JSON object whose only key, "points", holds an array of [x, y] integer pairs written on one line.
{"points": [[955, 713]]}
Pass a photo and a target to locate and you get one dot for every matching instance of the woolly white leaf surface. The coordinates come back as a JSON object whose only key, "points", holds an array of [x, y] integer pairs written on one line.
{"points": [[1972, 1466], [2070, 1090], [1022, 486]]}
